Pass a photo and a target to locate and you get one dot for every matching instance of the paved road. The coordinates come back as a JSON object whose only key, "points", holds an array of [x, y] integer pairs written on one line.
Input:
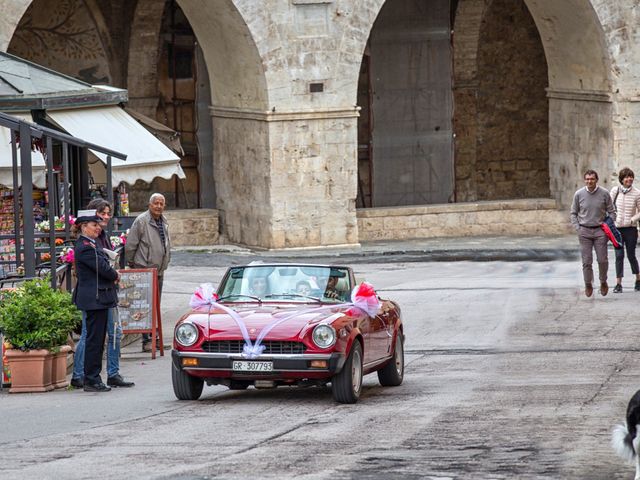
{"points": [[511, 373]]}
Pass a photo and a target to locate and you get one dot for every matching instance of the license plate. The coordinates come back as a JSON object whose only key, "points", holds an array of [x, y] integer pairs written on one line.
{"points": [[241, 366]]}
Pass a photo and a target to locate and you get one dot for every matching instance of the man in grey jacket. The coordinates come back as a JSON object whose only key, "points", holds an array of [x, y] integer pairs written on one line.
{"points": [[590, 205], [149, 245]]}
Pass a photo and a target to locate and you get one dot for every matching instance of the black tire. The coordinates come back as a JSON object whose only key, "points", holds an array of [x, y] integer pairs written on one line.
{"points": [[392, 373], [185, 387], [347, 384]]}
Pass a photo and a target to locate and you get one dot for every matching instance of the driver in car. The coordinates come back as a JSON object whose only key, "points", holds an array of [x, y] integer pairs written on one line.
{"points": [[330, 290]]}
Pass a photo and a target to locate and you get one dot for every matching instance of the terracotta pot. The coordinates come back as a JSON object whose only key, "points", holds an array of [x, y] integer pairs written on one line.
{"points": [[59, 367], [30, 370]]}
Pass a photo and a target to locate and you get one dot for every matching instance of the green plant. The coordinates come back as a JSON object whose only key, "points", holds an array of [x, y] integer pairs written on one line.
{"points": [[35, 316]]}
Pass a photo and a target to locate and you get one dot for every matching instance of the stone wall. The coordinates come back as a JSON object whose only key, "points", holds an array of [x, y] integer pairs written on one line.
{"points": [[581, 138], [193, 227], [264, 57], [315, 157], [501, 114], [513, 217], [242, 175]]}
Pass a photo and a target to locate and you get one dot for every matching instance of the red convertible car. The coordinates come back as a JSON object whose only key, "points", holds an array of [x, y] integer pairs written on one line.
{"points": [[287, 324]]}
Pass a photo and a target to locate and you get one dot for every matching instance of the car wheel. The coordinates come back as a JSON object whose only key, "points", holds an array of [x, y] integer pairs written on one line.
{"points": [[185, 387], [393, 372], [347, 384]]}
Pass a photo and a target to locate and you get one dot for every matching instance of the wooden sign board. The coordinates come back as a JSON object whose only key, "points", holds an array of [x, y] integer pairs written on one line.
{"points": [[139, 304]]}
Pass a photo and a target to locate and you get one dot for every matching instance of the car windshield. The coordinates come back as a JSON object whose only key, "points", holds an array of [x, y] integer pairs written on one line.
{"points": [[286, 283]]}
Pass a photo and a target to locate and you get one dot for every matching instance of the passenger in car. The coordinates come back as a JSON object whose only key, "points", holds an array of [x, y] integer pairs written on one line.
{"points": [[303, 287], [258, 286]]}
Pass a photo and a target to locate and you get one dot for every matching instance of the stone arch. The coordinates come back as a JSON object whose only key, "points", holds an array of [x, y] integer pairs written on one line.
{"points": [[501, 113], [240, 101], [579, 86], [235, 65], [12, 12], [408, 102]]}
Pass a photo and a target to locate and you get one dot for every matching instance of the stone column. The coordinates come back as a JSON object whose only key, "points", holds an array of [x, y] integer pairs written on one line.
{"points": [[580, 138], [286, 179]]}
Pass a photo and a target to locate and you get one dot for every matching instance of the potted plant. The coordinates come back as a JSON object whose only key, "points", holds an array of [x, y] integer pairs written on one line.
{"points": [[36, 321]]}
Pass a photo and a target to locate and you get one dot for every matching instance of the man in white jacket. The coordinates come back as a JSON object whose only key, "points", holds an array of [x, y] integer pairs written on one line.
{"points": [[626, 198]]}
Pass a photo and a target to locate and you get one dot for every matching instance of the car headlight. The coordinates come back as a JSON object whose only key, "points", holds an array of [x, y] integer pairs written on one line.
{"points": [[186, 334], [324, 336]]}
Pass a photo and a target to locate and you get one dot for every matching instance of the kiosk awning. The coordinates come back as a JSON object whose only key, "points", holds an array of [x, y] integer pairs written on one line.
{"points": [[147, 157], [6, 161]]}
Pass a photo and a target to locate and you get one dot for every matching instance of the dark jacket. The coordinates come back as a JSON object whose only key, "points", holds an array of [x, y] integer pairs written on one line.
{"points": [[103, 241], [96, 288]]}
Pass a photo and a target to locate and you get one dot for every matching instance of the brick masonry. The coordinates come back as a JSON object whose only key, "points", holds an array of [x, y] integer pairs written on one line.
{"points": [[501, 135], [522, 217]]}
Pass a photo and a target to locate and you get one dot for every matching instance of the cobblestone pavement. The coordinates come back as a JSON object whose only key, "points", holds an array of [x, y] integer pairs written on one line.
{"points": [[511, 373]]}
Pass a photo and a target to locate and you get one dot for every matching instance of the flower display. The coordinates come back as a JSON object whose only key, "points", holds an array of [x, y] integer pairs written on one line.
{"points": [[119, 240], [59, 223], [67, 255]]}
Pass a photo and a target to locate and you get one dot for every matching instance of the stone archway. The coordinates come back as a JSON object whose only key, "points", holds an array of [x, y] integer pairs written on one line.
{"points": [[579, 86], [501, 115], [241, 146], [405, 96]]}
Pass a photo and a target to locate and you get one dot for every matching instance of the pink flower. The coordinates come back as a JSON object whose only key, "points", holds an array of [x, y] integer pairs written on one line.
{"points": [[67, 255], [72, 219]]}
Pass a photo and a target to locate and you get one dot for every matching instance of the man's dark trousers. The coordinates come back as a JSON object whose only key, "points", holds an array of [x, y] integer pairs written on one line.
{"points": [[96, 332]]}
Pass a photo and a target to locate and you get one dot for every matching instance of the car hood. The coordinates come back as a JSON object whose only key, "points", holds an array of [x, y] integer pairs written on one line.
{"points": [[293, 321]]}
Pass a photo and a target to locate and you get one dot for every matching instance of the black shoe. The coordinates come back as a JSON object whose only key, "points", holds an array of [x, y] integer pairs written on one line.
{"points": [[637, 287], [617, 288], [77, 382], [96, 387], [118, 381]]}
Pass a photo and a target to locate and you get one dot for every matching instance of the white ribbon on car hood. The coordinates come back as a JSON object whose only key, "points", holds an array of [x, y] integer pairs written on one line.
{"points": [[363, 298]]}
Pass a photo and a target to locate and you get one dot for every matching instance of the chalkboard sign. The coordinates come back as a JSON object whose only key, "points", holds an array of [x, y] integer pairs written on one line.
{"points": [[139, 305]]}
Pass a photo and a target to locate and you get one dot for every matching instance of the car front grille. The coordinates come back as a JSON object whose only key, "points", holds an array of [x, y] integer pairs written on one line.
{"points": [[271, 347]]}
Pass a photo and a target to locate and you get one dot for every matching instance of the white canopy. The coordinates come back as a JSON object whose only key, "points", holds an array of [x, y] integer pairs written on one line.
{"points": [[113, 128], [6, 162]]}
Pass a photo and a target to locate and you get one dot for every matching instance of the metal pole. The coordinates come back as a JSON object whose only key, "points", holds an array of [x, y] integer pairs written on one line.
{"points": [[27, 200], [66, 202], [52, 212], [66, 207], [16, 199], [110, 196]]}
